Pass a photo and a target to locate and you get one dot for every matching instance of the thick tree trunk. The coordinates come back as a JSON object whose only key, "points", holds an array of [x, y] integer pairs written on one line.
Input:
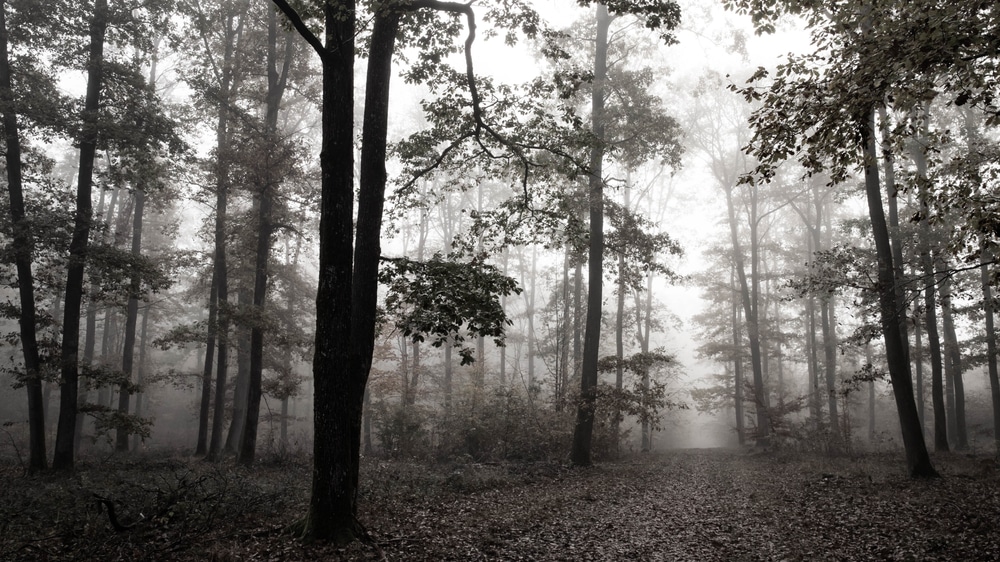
{"points": [[23, 243], [918, 460], [63, 457]]}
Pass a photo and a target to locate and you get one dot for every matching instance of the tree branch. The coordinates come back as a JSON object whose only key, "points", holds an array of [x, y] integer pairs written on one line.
{"points": [[296, 20]]}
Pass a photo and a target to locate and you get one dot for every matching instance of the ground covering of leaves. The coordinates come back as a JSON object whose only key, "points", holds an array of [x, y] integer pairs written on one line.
{"points": [[681, 505]]}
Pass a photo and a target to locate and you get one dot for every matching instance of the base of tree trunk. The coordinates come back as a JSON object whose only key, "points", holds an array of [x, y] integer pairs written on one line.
{"points": [[340, 533]]}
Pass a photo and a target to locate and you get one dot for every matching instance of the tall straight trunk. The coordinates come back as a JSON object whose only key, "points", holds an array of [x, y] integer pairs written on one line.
{"points": [[502, 370], [63, 457], [104, 391], [815, 408], [918, 460], [954, 364], [779, 354], [829, 364], [871, 397], [583, 432], [564, 332], [991, 340], [643, 327], [140, 380], [241, 386], [577, 320], [131, 318], [224, 147], [619, 345], [895, 239], [749, 297], [738, 361], [89, 342], [205, 403], [277, 80], [930, 308], [530, 312], [918, 363], [23, 242]]}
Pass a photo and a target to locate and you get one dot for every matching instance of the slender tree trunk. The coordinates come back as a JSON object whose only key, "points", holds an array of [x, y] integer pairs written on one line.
{"points": [[930, 309], [530, 313], [140, 380], [954, 361], [619, 347], [738, 361], [918, 362], [749, 298], [23, 243], [221, 273], [991, 341], [918, 460], [63, 458], [583, 432], [871, 397], [131, 318], [206, 374], [276, 83]]}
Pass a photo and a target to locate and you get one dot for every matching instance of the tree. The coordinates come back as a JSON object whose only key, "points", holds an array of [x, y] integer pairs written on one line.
{"points": [[23, 243], [63, 458]]}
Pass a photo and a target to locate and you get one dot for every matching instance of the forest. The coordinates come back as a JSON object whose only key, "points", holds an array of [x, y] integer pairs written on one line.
{"points": [[499, 280]]}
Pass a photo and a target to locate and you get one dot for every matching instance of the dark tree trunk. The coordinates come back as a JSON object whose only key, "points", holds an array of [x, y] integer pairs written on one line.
{"points": [[930, 310], [206, 374], [131, 319], [991, 342], [63, 457], [221, 271], [23, 243], [140, 380], [918, 460], [954, 364], [583, 433], [276, 83]]}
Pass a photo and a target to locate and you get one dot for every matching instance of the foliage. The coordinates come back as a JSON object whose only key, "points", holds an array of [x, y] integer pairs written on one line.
{"points": [[438, 297]]}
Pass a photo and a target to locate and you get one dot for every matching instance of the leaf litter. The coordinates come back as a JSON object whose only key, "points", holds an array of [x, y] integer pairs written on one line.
{"points": [[677, 505]]}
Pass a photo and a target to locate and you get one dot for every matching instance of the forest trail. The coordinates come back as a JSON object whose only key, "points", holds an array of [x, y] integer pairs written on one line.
{"points": [[700, 505]]}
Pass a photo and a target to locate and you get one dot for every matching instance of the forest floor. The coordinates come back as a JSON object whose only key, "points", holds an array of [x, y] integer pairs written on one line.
{"points": [[677, 505]]}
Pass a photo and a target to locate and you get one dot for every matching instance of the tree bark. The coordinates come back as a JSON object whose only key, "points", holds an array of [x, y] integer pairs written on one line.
{"points": [[991, 341], [918, 460], [954, 364], [63, 456], [23, 245], [277, 81], [583, 432], [930, 308], [131, 319]]}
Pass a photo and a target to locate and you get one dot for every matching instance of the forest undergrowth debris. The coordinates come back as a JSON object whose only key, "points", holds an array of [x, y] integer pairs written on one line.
{"points": [[678, 505]]}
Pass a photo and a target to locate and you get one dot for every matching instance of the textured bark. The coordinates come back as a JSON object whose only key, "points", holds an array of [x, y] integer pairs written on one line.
{"points": [[583, 432], [63, 456], [917, 458], [23, 244]]}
